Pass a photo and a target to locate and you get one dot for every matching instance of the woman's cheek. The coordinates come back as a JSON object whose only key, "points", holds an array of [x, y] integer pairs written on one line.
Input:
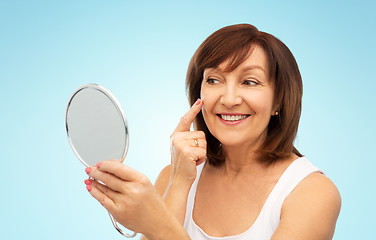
{"points": [[204, 101], [207, 107], [204, 112], [202, 94]]}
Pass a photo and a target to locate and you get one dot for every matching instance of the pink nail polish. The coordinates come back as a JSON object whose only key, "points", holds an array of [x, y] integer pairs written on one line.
{"points": [[87, 170], [88, 187], [98, 164], [198, 102], [87, 182]]}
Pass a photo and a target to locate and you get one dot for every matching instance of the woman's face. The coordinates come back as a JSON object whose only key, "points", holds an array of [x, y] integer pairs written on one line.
{"points": [[238, 104]]}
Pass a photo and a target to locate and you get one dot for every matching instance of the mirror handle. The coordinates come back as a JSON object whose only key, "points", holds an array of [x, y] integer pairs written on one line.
{"points": [[119, 230]]}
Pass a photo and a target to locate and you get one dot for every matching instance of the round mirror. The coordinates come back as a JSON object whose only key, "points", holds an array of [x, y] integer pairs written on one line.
{"points": [[97, 128]]}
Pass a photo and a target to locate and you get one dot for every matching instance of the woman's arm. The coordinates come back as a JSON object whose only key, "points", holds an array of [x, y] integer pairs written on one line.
{"points": [[310, 211], [174, 181], [175, 200], [173, 192], [188, 149]]}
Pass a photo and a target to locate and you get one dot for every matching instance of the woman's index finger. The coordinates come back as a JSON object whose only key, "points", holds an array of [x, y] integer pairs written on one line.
{"points": [[187, 120], [118, 169]]}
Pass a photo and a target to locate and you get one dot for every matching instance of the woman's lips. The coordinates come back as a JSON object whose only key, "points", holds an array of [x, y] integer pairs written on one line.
{"points": [[232, 118]]}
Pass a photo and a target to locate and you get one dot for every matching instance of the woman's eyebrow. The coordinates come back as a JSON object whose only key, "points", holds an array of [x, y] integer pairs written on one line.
{"points": [[252, 67], [212, 70], [243, 69]]}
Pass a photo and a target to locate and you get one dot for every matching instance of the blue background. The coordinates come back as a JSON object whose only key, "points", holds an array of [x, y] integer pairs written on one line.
{"points": [[140, 50]]}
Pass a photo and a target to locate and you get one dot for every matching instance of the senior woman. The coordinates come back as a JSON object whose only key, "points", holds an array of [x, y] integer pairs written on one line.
{"points": [[238, 176]]}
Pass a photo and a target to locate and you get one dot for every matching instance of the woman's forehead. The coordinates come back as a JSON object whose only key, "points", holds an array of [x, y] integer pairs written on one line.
{"points": [[256, 59]]}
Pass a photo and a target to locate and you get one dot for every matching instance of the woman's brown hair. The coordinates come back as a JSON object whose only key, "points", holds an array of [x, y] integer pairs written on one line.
{"points": [[233, 44]]}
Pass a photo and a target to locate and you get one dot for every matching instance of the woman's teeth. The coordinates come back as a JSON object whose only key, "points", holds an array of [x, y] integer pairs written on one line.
{"points": [[233, 117]]}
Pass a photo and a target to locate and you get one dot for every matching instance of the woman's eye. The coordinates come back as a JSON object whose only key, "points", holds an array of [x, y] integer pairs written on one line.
{"points": [[212, 81], [250, 82]]}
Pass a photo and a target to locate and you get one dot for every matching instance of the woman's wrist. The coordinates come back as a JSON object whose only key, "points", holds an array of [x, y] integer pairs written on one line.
{"points": [[176, 193], [180, 183]]}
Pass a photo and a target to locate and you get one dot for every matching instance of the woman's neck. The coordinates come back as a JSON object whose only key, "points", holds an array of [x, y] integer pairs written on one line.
{"points": [[242, 159]]}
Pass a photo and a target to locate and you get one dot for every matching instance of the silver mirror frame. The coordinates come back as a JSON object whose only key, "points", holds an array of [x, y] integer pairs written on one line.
{"points": [[116, 103]]}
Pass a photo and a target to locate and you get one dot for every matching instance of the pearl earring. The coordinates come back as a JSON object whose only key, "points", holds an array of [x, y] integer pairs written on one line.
{"points": [[276, 113]]}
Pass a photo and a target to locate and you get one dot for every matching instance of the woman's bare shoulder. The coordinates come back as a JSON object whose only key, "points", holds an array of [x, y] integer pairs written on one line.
{"points": [[318, 188], [163, 179], [311, 210]]}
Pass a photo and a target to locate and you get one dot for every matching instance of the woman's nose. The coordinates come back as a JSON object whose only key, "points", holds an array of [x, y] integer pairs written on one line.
{"points": [[230, 97]]}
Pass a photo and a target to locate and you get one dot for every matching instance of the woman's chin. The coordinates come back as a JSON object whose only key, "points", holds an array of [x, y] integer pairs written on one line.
{"points": [[226, 142], [238, 142]]}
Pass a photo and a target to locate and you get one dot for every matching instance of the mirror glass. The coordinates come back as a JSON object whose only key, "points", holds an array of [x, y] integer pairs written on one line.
{"points": [[96, 126]]}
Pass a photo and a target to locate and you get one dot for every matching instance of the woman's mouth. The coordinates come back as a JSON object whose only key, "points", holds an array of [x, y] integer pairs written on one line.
{"points": [[232, 118]]}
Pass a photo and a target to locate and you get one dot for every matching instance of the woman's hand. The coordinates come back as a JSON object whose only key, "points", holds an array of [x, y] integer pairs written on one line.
{"points": [[188, 149], [128, 195]]}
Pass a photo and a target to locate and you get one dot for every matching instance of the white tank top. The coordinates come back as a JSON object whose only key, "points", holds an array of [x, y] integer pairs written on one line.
{"points": [[268, 219]]}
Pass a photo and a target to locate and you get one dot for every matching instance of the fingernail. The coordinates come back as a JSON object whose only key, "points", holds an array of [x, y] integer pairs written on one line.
{"points": [[87, 182], [98, 164], [87, 170], [198, 102], [88, 187]]}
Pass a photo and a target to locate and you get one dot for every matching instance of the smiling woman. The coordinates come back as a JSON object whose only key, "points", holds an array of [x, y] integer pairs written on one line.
{"points": [[238, 175], [254, 183], [259, 59]]}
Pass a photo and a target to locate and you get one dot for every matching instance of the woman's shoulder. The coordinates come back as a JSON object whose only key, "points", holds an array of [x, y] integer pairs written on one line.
{"points": [[318, 187], [312, 207]]}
